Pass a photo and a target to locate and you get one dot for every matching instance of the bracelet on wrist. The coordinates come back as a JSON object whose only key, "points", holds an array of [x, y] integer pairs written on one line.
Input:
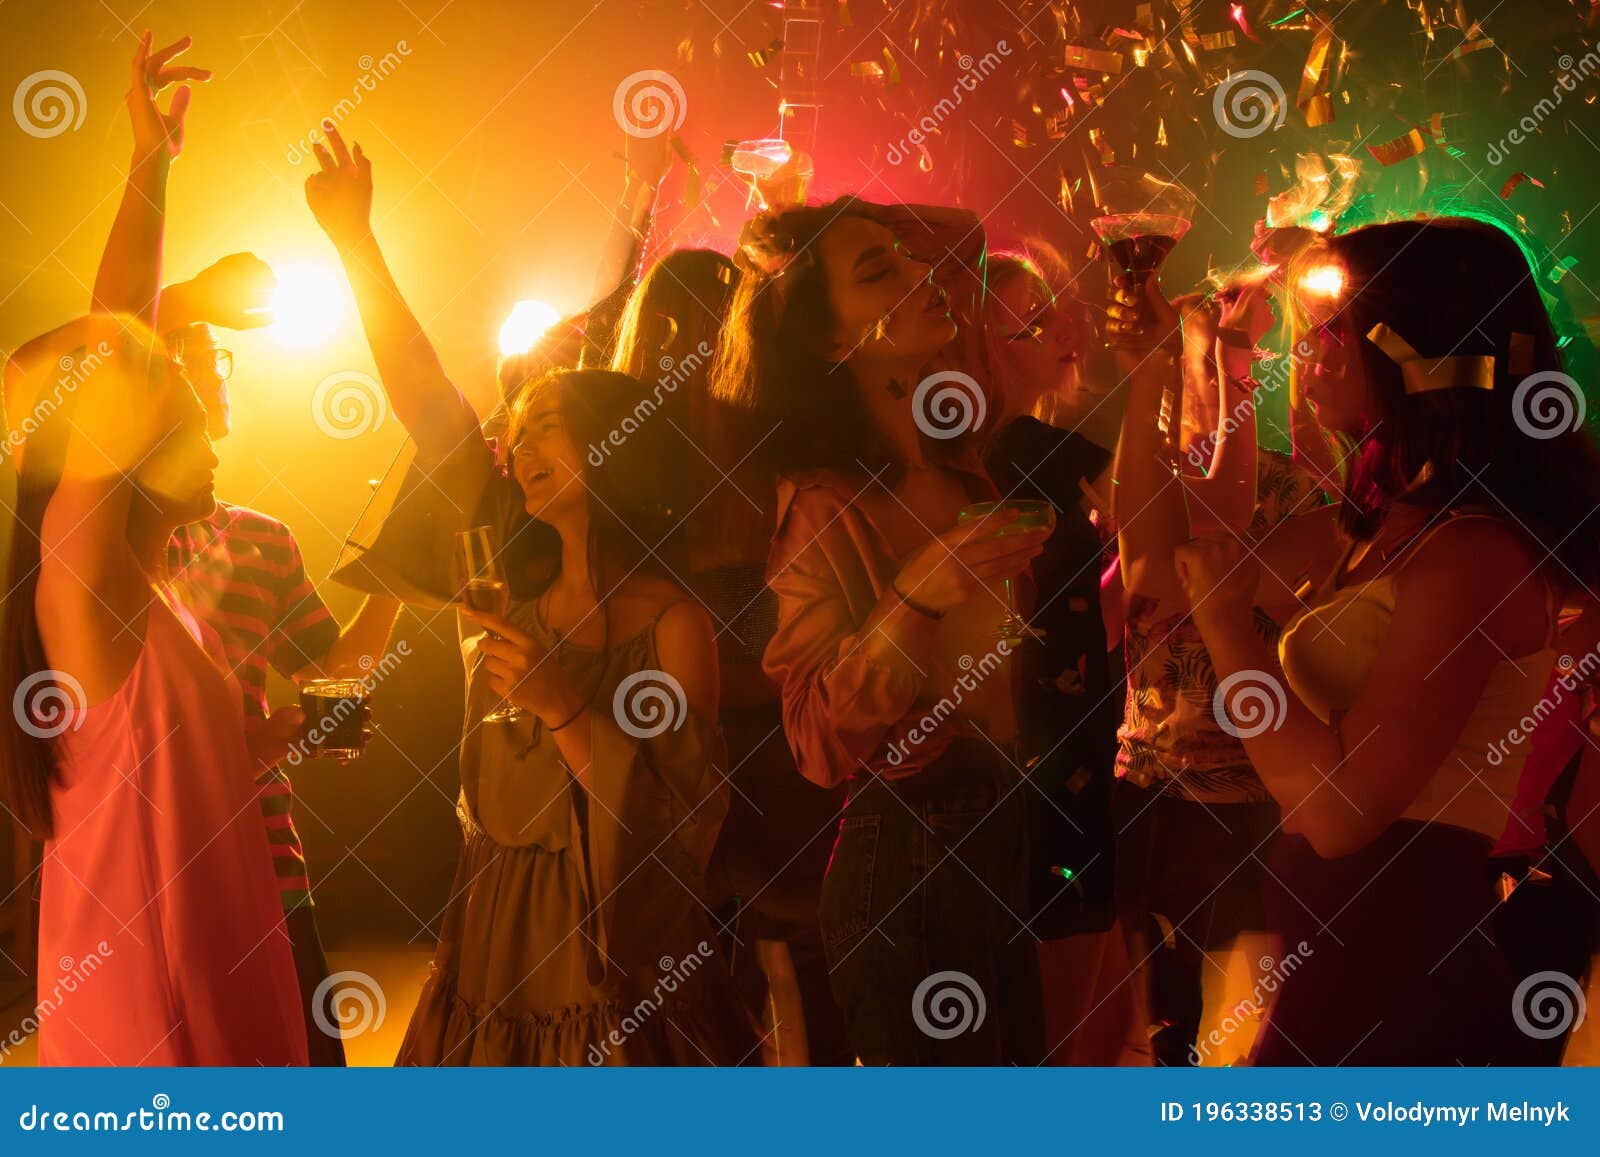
{"points": [[926, 612], [568, 721]]}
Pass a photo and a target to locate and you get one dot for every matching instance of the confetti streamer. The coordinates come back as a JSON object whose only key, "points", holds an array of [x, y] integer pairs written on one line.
{"points": [[1313, 100], [1400, 149], [1516, 179], [1093, 59]]}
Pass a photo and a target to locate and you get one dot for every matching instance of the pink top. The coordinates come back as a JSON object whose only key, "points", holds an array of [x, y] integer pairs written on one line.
{"points": [[161, 938], [850, 704]]}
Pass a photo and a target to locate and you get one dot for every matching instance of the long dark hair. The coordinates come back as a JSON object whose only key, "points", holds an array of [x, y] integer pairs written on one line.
{"points": [[772, 357], [1456, 287], [614, 421], [667, 338]]}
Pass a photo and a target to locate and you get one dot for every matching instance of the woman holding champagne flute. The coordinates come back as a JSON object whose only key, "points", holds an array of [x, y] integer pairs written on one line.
{"points": [[892, 676], [592, 769]]}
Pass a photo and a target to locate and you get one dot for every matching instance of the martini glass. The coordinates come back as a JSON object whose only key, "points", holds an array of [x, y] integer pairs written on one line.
{"points": [[1033, 514], [1141, 219]]}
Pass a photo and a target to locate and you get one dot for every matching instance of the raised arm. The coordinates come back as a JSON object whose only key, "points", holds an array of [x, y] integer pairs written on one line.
{"points": [[93, 592], [431, 409], [1147, 506], [1228, 490], [1342, 782], [129, 278]]}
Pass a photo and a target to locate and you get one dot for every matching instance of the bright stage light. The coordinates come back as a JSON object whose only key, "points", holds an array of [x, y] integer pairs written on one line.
{"points": [[308, 306], [1323, 280], [525, 326]]}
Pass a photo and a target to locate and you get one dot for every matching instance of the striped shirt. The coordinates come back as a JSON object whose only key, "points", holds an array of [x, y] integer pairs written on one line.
{"points": [[241, 573]]}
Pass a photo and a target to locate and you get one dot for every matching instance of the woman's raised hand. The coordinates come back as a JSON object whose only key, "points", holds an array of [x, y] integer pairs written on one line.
{"points": [[955, 565], [1140, 316], [157, 133], [340, 194]]}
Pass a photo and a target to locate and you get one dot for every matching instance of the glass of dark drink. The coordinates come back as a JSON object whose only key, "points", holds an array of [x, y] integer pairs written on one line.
{"points": [[484, 588], [336, 717], [1141, 219]]}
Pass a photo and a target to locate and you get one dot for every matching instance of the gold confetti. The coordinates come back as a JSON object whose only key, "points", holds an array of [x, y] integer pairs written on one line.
{"points": [[1401, 148]]}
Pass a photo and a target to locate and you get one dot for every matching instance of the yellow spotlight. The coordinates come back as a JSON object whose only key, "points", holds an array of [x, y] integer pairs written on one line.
{"points": [[1323, 280], [309, 304], [525, 326]]}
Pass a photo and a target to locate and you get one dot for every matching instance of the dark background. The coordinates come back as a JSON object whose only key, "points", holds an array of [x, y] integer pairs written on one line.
{"points": [[497, 155]]}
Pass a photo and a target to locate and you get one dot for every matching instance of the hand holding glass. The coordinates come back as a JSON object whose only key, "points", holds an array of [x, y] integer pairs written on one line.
{"points": [[1032, 514], [484, 588]]}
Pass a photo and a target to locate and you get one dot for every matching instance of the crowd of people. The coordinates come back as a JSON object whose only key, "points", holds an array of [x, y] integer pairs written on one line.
{"points": [[972, 743]]}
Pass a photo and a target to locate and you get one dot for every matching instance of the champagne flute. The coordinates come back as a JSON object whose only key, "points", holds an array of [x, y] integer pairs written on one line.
{"points": [[484, 588], [1032, 514]]}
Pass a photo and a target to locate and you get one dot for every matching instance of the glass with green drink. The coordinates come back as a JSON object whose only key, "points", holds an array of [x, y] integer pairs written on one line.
{"points": [[1032, 514]]}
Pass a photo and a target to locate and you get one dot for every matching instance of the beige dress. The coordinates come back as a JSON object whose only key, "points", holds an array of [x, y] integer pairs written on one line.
{"points": [[578, 930]]}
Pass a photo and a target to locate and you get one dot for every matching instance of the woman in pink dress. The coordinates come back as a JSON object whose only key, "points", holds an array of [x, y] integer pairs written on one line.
{"points": [[161, 937]]}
